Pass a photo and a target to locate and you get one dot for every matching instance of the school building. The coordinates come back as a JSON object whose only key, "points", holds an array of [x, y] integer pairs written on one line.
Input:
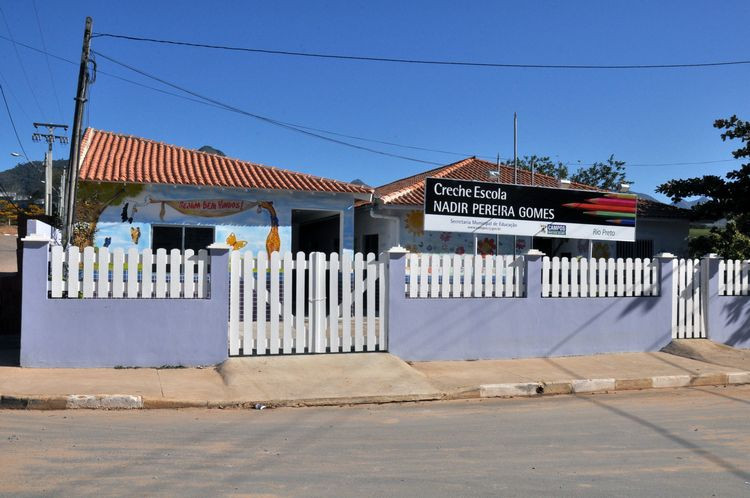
{"points": [[396, 217]]}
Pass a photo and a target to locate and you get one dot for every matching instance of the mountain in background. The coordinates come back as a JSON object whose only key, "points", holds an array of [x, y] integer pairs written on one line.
{"points": [[357, 181], [645, 196], [210, 150], [689, 204], [25, 179]]}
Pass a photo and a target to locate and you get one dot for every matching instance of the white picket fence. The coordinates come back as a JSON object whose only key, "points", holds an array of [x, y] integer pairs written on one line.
{"points": [[734, 277], [564, 277], [306, 304], [454, 275], [689, 281], [99, 273]]}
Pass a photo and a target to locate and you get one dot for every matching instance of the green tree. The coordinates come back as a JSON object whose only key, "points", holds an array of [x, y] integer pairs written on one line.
{"points": [[608, 175], [541, 164], [727, 197]]}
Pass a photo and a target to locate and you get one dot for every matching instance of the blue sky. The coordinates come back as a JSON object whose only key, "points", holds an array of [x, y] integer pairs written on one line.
{"points": [[644, 116]]}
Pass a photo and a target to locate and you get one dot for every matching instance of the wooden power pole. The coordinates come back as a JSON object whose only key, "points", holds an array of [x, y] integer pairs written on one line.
{"points": [[50, 138], [76, 136]]}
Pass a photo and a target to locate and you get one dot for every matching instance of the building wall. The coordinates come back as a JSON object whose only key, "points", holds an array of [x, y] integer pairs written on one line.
{"points": [[669, 235], [242, 218]]}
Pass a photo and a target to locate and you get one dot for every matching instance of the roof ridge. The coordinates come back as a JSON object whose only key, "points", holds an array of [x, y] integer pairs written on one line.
{"points": [[442, 169], [242, 162]]}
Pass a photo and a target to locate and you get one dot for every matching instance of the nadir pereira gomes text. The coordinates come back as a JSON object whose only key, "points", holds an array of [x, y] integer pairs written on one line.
{"points": [[478, 208]]}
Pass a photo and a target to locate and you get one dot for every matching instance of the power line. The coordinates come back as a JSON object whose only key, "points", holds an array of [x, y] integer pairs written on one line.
{"points": [[13, 124], [363, 58], [355, 137], [23, 68], [46, 58], [288, 126]]}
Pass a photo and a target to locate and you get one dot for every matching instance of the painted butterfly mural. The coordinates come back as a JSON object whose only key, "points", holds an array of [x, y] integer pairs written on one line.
{"points": [[235, 243]]}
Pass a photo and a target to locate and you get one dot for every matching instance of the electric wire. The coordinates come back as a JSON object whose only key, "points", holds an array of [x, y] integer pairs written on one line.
{"points": [[282, 124], [46, 58], [23, 67], [355, 137], [418, 61]]}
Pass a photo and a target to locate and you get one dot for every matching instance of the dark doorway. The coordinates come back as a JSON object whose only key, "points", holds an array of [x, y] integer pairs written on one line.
{"points": [[316, 231]]}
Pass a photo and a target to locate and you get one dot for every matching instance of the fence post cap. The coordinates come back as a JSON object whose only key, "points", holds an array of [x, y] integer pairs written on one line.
{"points": [[711, 255], [219, 246], [665, 255], [533, 252], [397, 250], [36, 237]]}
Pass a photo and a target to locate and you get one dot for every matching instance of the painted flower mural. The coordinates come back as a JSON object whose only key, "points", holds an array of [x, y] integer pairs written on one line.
{"points": [[486, 246]]}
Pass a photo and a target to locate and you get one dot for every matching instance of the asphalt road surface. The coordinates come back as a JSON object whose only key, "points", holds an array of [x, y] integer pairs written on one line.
{"points": [[686, 442]]}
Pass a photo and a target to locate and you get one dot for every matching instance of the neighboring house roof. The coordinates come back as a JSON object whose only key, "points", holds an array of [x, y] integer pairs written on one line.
{"points": [[112, 157], [410, 191]]}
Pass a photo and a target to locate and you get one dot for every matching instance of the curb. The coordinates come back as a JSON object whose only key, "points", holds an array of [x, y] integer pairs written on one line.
{"points": [[534, 389], [508, 390]]}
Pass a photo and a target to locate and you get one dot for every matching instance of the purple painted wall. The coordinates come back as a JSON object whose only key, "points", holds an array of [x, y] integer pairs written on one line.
{"points": [[493, 328], [120, 332], [728, 316]]}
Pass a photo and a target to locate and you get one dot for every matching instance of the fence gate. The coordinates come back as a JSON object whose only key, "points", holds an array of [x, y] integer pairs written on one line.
{"points": [[689, 313], [314, 303]]}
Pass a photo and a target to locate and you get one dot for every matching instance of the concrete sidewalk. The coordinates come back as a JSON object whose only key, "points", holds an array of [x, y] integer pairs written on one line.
{"points": [[311, 380]]}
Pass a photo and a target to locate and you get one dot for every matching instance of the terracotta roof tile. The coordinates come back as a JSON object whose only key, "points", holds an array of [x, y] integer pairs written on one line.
{"points": [[112, 157]]}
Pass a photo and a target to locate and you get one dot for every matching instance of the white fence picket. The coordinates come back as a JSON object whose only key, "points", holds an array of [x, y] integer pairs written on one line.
{"points": [[346, 302], [333, 303], [118, 282], [555, 284], [722, 278], [235, 261], [593, 277], [500, 269], [161, 273], [489, 273], [478, 270], [261, 338], [575, 274], [274, 300], [188, 281], [287, 341], [435, 275], [457, 272], [546, 277], [637, 277], [175, 258], [413, 273], [102, 262], [74, 258], [564, 277], [147, 283], [584, 278], [89, 255], [372, 275], [358, 294], [424, 266], [56, 271], [629, 270], [133, 259], [447, 271], [202, 269], [468, 275], [746, 277], [383, 302], [300, 334], [247, 273]]}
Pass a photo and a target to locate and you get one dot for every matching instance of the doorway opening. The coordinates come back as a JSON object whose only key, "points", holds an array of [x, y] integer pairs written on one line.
{"points": [[316, 231]]}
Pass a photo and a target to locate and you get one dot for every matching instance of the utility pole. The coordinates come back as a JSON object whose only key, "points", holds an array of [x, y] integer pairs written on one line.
{"points": [[76, 136], [50, 138]]}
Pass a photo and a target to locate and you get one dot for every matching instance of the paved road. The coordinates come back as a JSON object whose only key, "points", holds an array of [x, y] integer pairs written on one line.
{"points": [[688, 442], [7, 253]]}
